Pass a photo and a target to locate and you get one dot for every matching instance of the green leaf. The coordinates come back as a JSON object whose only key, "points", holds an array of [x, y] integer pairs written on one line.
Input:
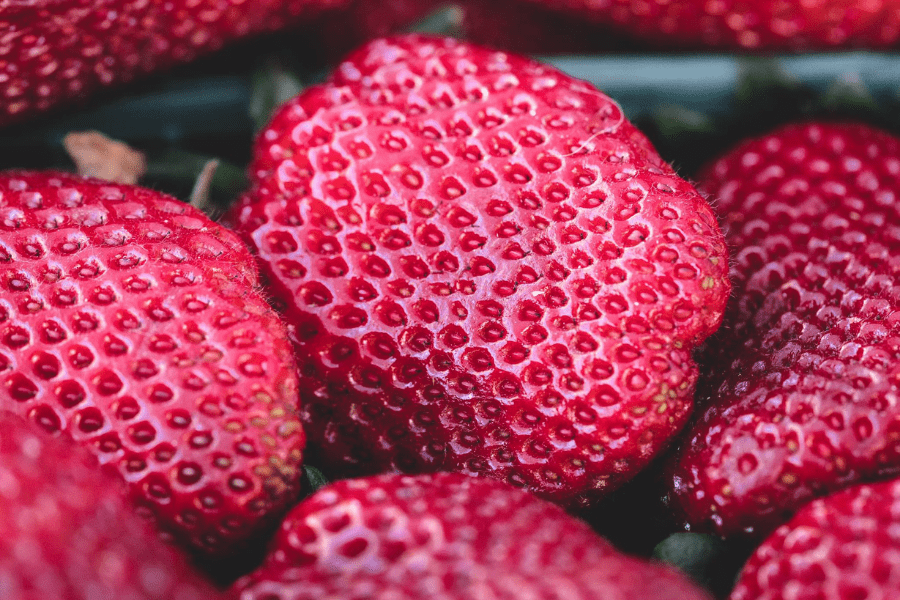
{"points": [[849, 95], [314, 480], [445, 20], [692, 553], [707, 559], [273, 85], [674, 121]]}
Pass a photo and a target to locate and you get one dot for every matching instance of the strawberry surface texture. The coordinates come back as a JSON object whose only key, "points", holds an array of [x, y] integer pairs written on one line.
{"points": [[485, 269], [53, 51], [841, 547], [744, 24], [529, 27], [67, 534], [803, 375], [448, 537], [132, 322]]}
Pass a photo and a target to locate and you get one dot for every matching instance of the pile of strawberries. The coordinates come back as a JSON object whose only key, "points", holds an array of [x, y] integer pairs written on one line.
{"points": [[464, 286]]}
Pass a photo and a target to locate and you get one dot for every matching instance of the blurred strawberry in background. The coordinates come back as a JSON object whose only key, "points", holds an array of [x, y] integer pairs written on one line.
{"points": [[746, 25], [54, 51]]}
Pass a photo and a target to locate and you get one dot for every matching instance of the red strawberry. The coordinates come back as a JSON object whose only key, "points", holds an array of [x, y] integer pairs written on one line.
{"points": [[803, 376], [746, 24], [335, 33], [447, 537], [842, 547], [530, 27], [56, 50], [130, 320], [486, 268], [65, 533]]}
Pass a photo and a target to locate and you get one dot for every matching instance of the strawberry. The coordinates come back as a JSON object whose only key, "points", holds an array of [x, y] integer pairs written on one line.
{"points": [[745, 24], [54, 51], [841, 547], [131, 321], [803, 378], [529, 27], [447, 536], [66, 534], [335, 33], [485, 268]]}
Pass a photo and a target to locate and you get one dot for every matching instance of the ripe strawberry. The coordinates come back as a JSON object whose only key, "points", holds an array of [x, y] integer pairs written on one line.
{"points": [[336, 32], [803, 376], [529, 27], [447, 537], [486, 269], [131, 321], [746, 24], [66, 534], [53, 51], [841, 547]]}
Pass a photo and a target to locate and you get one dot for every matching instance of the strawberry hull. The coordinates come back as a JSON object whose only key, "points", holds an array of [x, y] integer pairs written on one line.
{"points": [[485, 267]]}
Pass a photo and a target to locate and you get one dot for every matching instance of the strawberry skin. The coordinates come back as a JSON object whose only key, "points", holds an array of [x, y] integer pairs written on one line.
{"points": [[54, 51], [336, 32], [842, 547], [447, 537], [486, 269], [531, 28], [66, 534], [745, 24], [132, 322], [803, 375]]}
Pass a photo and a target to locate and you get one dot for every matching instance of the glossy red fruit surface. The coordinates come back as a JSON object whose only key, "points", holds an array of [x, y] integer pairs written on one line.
{"points": [[803, 375], [532, 28], [841, 547], [57, 50], [66, 533], [336, 32], [747, 24], [485, 267], [132, 322], [447, 537]]}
